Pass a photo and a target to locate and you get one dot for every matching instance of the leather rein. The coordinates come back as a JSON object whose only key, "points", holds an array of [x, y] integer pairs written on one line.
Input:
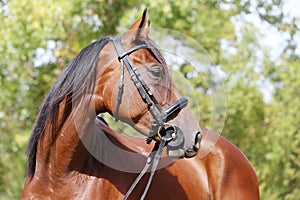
{"points": [[159, 125]]}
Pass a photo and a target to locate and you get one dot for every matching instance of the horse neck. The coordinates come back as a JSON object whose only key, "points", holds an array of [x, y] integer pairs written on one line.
{"points": [[62, 149]]}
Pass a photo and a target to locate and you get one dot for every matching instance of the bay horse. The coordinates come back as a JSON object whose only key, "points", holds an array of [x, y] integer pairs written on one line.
{"points": [[73, 154]]}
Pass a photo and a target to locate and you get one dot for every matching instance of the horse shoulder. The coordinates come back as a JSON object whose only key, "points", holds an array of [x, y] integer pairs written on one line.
{"points": [[230, 174]]}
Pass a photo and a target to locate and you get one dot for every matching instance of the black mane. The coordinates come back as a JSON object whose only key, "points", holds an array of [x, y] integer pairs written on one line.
{"points": [[77, 78]]}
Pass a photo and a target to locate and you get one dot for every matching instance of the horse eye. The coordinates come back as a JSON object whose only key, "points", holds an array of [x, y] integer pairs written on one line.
{"points": [[156, 72]]}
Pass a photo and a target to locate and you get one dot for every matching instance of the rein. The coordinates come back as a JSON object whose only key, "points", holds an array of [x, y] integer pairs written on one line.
{"points": [[159, 126], [155, 154]]}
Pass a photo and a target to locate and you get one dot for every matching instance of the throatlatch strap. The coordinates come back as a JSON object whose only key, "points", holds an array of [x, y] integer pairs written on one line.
{"points": [[120, 92]]}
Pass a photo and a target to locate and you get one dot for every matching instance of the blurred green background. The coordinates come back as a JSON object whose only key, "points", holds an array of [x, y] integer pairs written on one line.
{"points": [[255, 43]]}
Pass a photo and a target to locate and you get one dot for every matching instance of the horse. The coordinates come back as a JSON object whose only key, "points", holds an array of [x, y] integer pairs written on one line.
{"points": [[74, 154]]}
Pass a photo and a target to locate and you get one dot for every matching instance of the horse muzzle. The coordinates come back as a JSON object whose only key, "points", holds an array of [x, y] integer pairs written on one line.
{"points": [[175, 147]]}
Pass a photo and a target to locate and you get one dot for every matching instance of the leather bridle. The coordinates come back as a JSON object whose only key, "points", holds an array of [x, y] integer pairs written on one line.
{"points": [[159, 126]]}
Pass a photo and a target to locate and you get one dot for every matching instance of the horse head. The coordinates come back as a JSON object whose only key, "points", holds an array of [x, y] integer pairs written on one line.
{"points": [[135, 86]]}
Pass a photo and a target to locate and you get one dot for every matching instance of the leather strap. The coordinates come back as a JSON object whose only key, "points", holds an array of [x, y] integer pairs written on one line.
{"points": [[156, 155], [159, 118], [139, 83]]}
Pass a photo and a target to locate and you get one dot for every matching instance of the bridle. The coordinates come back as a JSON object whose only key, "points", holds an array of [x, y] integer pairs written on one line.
{"points": [[159, 125]]}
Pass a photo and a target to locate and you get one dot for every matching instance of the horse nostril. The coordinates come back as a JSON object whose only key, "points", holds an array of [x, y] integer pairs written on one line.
{"points": [[198, 140], [193, 150]]}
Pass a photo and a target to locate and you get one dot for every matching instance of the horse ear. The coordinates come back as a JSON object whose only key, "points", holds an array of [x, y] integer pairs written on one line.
{"points": [[141, 27]]}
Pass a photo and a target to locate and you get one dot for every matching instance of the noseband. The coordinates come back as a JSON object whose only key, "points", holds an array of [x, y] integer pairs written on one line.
{"points": [[159, 125], [160, 118]]}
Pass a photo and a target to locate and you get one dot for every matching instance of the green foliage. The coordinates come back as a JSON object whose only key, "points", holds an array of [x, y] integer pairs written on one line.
{"points": [[283, 125], [267, 132]]}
